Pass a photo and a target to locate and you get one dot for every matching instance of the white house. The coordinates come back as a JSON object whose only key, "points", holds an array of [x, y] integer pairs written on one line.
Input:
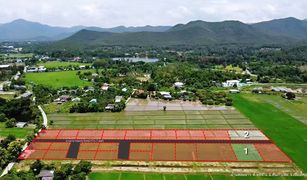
{"points": [[231, 83], [21, 124], [105, 87], [178, 85], [166, 95], [118, 99]]}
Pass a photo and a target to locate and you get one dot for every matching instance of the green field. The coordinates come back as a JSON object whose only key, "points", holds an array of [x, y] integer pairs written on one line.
{"points": [[57, 64], [151, 176], [57, 79], [287, 132], [252, 153], [18, 132], [18, 55], [296, 108], [152, 119]]}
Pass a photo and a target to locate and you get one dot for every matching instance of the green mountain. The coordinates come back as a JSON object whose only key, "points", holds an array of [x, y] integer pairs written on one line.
{"points": [[290, 27], [192, 33]]}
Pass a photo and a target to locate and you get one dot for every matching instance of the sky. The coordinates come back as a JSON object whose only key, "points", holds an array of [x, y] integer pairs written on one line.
{"points": [[110, 13]]}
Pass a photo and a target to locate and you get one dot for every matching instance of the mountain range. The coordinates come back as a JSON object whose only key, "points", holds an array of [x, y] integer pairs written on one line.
{"points": [[22, 30], [278, 31]]}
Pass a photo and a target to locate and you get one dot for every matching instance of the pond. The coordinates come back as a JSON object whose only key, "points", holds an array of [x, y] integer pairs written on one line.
{"points": [[137, 59]]}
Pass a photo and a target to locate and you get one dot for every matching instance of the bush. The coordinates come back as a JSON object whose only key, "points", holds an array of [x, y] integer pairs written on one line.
{"points": [[2, 117], [36, 167], [10, 123], [83, 166]]}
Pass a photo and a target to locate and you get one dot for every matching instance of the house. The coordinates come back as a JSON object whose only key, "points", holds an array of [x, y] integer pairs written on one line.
{"points": [[92, 89], [118, 99], [94, 101], [5, 66], [25, 95], [46, 175], [124, 90], [64, 98], [178, 85], [95, 75], [166, 95], [32, 69], [110, 107], [105, 87], [234, 91], [19, 87], [231, 83], [21, 124], [82, 67], [41, 69], [77, 99]]}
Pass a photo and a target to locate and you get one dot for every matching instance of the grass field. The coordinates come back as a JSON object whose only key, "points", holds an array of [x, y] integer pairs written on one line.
{"points": [[18, 132], [151, 176], [296, 108], [18, 55], [56, 64], [152, 120], [287, 132], [57, 79]]}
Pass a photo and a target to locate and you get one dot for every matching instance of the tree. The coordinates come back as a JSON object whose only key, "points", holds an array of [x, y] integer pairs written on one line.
{"points": [[36, 167], [4, 157], [59, 175], [79, 176], [2, 117], [290, 95], [67, 169], [83, 166], [10, 123], [5, 142]]}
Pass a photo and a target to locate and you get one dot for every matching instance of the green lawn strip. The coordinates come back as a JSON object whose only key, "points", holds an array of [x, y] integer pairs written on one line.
{"points": [[174, 176], [104, 176], [18, 132], [288, 133], [56, 64], [154, 177], [252, 153], [158, 176], [132, 176]]}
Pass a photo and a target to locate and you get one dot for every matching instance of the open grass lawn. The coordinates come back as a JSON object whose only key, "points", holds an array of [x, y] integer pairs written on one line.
{"points": [[18, 132], [152, 176], [287, 132], [57, 79], [152, 120], [56, 64]]}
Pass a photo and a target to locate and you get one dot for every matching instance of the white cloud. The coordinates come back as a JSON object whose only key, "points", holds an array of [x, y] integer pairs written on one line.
{"points": [[108, 13]]}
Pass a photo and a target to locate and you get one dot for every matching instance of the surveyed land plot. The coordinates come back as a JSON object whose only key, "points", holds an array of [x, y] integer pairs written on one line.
{"points": [[209, 145]]}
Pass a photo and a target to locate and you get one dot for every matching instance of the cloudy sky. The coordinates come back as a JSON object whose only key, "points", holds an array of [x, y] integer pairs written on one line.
{"points": [[109, 13]]}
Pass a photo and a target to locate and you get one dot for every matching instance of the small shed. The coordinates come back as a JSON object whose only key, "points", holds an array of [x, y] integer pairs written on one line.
{"points": [[118, 99], [234, 91], [46, 175], [21, 124], [110, 107]]}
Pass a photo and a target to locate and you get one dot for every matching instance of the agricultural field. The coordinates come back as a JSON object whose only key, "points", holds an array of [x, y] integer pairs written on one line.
{"points": [[18, 132], [62, 64], [159, 176], [295, 108], [57, 79], [287, 132], [152, 120]]}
